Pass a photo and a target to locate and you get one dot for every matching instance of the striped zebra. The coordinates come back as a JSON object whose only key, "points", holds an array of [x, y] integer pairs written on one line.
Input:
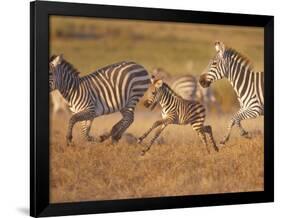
{"points": [[188, 88], [117, 87], [248, 84], [176, 110]]}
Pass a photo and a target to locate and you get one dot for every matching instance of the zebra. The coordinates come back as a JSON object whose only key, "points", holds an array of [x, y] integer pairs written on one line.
{"points": [[176, 110], [188, 87], [116, 87], [248, 84]]}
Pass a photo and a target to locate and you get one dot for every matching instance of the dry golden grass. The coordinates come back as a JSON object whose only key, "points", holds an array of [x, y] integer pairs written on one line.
{"points": [[179, 166]]}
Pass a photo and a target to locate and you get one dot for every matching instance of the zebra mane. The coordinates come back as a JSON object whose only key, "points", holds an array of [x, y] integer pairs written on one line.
{"points": [[245, 60], [171, 91], [69, 67]]}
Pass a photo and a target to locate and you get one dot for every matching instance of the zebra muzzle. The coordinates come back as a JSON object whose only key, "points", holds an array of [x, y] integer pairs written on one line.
{"points": [[204, 82], [147, 103]]}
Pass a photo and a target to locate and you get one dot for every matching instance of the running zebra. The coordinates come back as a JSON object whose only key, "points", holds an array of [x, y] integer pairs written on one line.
{"points": [[248, 84], [117, 87], [176, 110]]}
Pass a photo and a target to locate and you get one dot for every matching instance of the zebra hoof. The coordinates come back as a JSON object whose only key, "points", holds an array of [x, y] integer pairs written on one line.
{"points": [[69, 140], [102, 138], [246, 135], [143, 152]]}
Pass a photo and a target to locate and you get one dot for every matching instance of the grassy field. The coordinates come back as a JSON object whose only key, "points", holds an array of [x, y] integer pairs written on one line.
{"points": [[178, 165]]}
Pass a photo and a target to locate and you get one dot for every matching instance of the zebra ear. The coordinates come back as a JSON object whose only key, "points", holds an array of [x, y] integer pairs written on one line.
{"points": [[219, 46], [158, 83], [57, 60]]}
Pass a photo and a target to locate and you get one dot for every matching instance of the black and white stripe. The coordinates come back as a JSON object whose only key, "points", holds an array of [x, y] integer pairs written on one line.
{"points": [[117, 87], [248, 84], [176, 110], [186, 87]]}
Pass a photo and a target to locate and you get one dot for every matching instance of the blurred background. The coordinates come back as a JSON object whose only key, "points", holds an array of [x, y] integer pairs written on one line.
{"points": [[179, 49]]}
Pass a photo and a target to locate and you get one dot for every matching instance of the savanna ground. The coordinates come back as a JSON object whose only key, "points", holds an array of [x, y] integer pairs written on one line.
{"points": [[179, 164]]}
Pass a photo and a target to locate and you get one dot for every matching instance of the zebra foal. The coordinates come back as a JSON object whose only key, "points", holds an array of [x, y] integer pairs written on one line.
{"points": [[117, 87], [176, 110], [247, 84]]}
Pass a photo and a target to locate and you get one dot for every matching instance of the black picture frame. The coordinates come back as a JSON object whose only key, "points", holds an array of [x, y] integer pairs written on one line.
{"points": [[39, 108]]}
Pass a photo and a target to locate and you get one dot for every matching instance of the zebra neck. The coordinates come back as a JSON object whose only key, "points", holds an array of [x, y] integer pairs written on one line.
{"points": [[70, 88], [167, 98], [239, 79]]}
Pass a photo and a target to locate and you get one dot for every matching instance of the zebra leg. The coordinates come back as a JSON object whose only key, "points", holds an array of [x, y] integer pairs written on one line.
{"points": [[202, 136], [243, 132], [156, 124], [157, 134], [86, 130], [229, 128], [198, 126], [122, 125], [209, 132], [248, 113], [80, 116], [119, 128], [104, 136], [242, 114]]}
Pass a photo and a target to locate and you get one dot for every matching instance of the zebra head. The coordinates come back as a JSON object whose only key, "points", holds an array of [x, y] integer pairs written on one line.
{"points": [[155, 95], [217, 68], [54, 63], [62, 75]]}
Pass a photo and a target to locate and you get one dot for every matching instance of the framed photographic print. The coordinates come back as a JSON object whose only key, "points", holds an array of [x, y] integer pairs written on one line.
{"points": [[142, 109]]}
